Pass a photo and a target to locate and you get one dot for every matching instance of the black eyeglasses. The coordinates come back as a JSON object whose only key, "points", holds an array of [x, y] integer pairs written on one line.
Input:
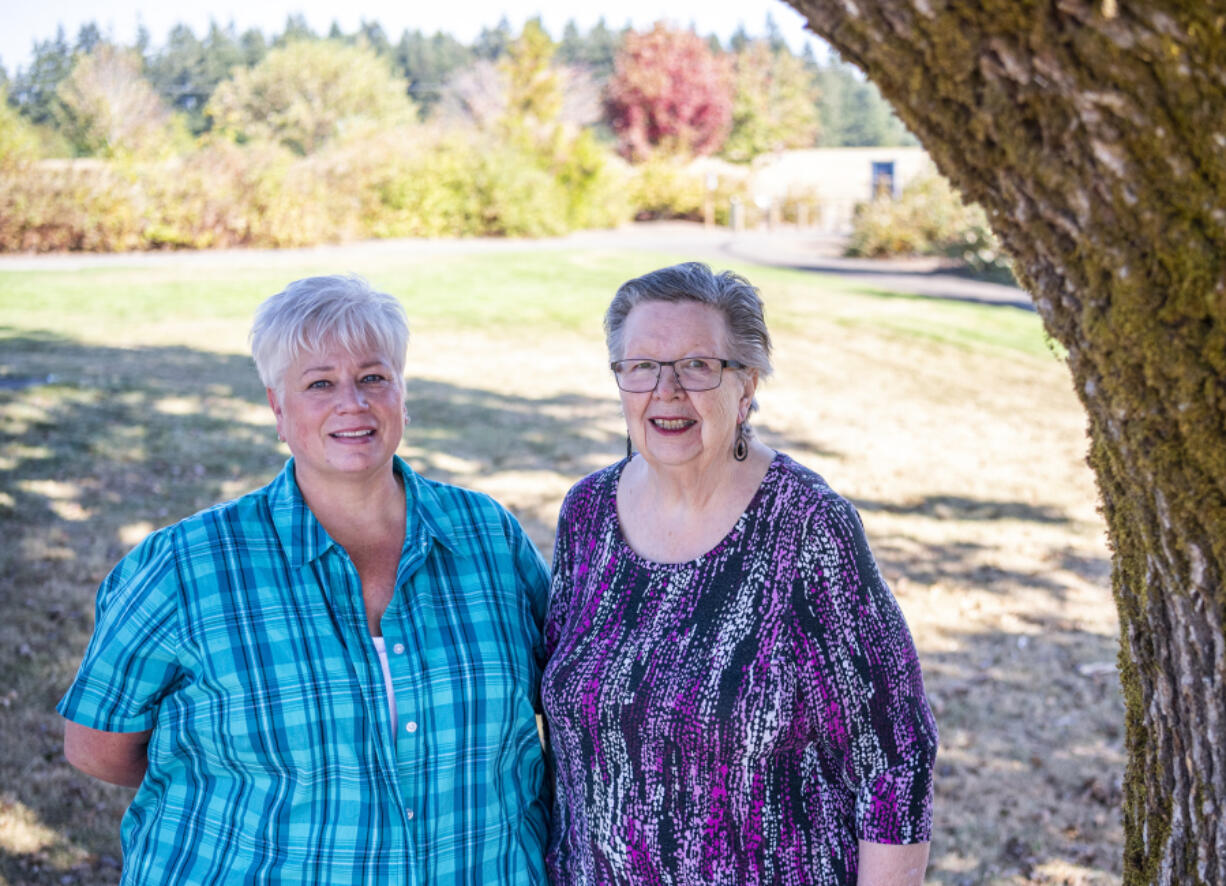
{"points": [[638, 375]]}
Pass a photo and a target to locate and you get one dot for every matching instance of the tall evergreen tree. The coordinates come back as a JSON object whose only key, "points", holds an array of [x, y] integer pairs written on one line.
{"points": [[594, 51], [35, 88], [375, 37], [427, 63], [853, 113], [88, 36], [253, 45], [296, 28], [492, 42], [774, 36]]}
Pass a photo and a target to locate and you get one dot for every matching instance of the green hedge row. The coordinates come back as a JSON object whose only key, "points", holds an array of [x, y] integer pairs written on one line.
{"points": [[394, 183]]}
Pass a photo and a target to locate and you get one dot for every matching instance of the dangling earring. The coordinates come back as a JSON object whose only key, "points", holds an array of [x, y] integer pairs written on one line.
{"points": [[629, 451], [740, 449]]}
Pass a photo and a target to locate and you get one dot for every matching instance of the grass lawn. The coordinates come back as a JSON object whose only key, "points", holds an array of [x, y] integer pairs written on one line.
{"points": [[128, 400]]}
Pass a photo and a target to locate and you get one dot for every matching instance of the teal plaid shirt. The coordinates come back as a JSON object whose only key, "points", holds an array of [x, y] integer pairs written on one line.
{"points": [[239, 637]]}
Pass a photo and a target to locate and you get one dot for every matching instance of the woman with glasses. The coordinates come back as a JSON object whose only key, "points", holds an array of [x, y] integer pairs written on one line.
{"points": [[332, 679], [732, 693]]}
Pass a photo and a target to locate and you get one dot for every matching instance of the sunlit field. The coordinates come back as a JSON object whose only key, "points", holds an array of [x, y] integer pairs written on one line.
{"points": [[128, 400]]}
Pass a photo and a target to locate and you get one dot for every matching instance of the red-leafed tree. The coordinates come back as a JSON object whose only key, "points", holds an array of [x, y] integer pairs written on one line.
{"points": [[669, 90]]}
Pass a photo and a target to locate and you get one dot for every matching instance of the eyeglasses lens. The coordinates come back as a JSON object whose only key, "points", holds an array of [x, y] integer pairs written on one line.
{"points": [[693, 374]]}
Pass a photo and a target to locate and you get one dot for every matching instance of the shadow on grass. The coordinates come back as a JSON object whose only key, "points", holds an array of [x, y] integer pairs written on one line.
{"points": [[942, 283], [956, 507], [957, 564], [966, 563], [506, 431]]}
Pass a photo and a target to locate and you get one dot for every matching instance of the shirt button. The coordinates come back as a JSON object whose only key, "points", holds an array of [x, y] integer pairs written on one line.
{"points": [[411, 726], [409, 814], [398, 649]]}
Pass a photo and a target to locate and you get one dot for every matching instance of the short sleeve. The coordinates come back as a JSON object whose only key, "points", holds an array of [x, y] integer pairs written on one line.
{"points": [[861, 680], [131, 662]]}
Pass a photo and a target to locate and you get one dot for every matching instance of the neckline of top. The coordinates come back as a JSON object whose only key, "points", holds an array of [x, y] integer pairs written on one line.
{"points": [[773, 468]]}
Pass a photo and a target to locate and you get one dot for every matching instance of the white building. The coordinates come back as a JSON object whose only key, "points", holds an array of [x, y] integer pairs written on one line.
{"points": [[835, 179]]}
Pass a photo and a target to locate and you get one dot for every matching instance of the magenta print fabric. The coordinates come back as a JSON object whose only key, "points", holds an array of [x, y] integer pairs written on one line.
{"points": [[742, 718]]}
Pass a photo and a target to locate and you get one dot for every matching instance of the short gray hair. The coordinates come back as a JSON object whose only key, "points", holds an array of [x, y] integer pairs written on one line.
{"points": [[316, 312], [749, 341]]}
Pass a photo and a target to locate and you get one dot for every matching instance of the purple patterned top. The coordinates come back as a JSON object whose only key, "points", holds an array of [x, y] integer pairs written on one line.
{"points": [[744, 717]]}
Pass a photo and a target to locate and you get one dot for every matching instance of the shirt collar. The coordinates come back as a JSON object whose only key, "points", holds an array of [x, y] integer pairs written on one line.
{"points": [[303, 538]]}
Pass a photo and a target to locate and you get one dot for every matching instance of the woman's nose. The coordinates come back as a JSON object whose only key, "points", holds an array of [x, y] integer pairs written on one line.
{"points": [[668, 384], [352, 397]]}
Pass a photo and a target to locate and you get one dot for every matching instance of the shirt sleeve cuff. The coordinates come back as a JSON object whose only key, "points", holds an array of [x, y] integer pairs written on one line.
{"points": [[896, 808]]}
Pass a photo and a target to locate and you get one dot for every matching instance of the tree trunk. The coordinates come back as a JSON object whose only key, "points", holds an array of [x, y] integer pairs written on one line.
{"points": [[1094, 134]]}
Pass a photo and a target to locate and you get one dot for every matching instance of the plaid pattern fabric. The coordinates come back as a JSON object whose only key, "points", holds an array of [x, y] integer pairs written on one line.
{"points": [[239, 637]]}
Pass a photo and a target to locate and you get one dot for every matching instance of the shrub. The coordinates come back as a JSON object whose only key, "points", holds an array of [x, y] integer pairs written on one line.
{"points": [[225, 195], [462, 182], [19, 143], [593, 182], [672, 187], [66, 205], [929, 218]]}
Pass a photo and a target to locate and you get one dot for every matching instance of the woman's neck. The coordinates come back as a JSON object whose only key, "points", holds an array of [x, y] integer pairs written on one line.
{"points": [[358, 506], [696, 487], [673, 516]]}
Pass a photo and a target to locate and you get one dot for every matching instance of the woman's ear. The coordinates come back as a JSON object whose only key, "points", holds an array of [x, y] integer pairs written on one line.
{"points": [[747, 391], [276, 411]]}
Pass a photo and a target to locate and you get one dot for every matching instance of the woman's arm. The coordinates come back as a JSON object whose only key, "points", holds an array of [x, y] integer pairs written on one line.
{"points": [[117, 757], [882, 865]]}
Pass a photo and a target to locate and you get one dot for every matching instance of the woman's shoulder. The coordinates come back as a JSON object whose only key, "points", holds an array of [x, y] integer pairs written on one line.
{"points": [[226, 516], [805, 507], [597, 484], [590, 500], [804, 487]]}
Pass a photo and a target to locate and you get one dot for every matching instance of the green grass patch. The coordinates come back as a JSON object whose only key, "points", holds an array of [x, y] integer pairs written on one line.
{"points": [[537, 292]]}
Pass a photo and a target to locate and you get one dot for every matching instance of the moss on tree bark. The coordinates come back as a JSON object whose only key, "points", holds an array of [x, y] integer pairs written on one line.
{"points": [[1094, 134]]}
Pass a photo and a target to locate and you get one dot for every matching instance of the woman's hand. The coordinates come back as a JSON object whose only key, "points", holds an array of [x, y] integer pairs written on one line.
{"points": [[118, 757], [885, 865]]}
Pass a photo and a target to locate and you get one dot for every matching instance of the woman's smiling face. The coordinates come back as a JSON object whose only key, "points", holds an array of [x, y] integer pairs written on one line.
{"points": [[671, 426], [341, 413]]}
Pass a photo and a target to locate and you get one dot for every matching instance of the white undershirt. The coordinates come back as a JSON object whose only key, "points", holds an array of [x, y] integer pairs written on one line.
{"points": [[381, 648]]}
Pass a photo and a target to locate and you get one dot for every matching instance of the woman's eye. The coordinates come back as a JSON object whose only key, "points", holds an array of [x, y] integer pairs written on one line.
{"points": [[373, 378], [319, 384], [694, 364]]}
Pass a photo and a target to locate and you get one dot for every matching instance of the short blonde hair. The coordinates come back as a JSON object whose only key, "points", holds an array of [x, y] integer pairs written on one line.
{"points": [[315, 312]]}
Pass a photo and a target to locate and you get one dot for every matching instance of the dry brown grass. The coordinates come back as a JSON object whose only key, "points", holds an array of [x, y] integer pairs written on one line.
{"points": [[964, 453]]}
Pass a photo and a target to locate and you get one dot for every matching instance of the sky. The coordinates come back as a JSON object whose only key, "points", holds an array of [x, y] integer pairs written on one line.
{"points": [[28, 21]]}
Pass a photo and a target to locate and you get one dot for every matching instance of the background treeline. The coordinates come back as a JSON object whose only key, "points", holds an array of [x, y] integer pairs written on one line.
{"points": [[297, 138]]}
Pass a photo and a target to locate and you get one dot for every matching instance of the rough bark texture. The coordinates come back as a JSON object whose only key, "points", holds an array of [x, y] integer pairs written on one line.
{"points": [[1095, 136]]}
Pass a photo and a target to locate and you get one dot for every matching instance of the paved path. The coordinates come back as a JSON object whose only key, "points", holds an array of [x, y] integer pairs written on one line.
{"points": [[801, 249]]}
